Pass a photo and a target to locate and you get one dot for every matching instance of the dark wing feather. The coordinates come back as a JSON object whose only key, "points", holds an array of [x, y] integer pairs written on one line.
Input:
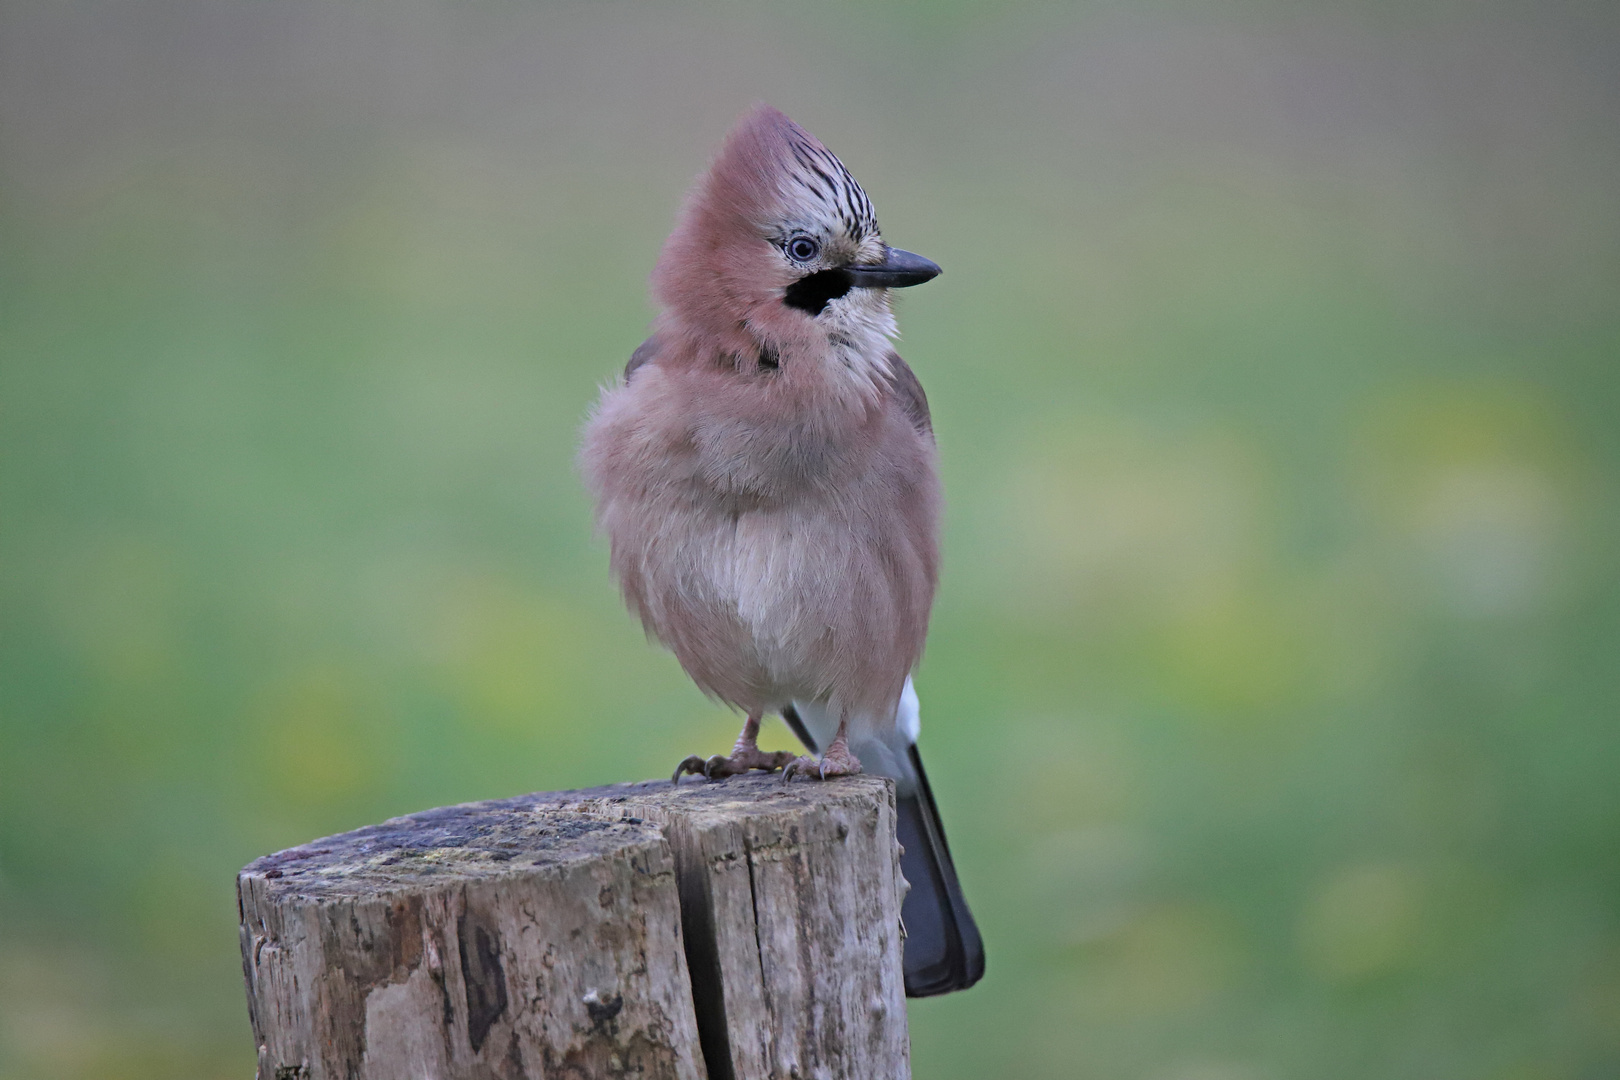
{"points": [[943, 950], [644, 352], [908, 392]]}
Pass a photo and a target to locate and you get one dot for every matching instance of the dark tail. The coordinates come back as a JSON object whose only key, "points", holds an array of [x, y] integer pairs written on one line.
{"points": [[943, 950]]}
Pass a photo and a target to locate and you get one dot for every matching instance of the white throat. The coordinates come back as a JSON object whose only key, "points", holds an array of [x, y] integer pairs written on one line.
{"points": [[860, 332]]}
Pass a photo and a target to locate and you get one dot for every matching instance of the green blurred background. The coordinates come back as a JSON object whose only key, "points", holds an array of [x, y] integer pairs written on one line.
{"points": [[1272, 691]]}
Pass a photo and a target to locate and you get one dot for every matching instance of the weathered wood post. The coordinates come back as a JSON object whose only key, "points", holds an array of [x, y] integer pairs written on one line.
{"points": [[735, 930]]}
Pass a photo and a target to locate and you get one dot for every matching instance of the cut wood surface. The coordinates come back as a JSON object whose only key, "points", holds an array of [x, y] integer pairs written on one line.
{"points": [[741, 929]]}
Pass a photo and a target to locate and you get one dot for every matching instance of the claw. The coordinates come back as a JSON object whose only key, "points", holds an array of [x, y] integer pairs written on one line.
{"points": [[719, 767], [801, 765], [694, 765], [837, 761], [745, 755]]}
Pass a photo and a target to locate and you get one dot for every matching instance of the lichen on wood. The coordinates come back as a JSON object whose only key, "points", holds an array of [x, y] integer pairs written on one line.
{"points": [[736, 930]]}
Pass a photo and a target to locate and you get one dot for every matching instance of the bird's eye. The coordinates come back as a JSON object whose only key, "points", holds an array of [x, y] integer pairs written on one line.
{"points": [[802, 249]]}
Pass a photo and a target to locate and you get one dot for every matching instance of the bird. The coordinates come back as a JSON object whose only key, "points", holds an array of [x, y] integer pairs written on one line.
{"points": [[766, 475]]}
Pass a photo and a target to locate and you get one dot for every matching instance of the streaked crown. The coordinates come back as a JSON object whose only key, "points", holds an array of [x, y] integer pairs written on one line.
{"points": [[775, 208]]}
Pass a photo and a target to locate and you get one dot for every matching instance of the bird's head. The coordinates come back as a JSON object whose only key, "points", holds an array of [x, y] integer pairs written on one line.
{"points": [[779, 243]]}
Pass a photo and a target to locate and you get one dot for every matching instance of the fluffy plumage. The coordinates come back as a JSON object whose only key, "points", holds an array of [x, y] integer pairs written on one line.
{"points": [[770, 498], [765, 470]]}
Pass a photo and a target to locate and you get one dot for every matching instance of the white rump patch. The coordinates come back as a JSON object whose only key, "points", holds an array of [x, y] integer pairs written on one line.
{"points": [[908, 718], [822, 723]]}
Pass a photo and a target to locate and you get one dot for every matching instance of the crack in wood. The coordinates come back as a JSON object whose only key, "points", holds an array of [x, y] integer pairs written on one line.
{"points": [[603, 933]]}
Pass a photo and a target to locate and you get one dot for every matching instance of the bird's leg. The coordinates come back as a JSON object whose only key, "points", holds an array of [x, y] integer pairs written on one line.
{"points": [[744, 756], [837, 761]]}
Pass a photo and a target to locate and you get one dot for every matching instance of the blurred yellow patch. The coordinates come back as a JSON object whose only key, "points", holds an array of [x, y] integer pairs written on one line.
{"points": [[1087, 880], [52, 1021], [1063, 772], [321, 736], [1361, 922], [1477, 485], [1168, 958], [177, 911], [61, 1018], [1241, 656], [515, 661], [1140, 522]]}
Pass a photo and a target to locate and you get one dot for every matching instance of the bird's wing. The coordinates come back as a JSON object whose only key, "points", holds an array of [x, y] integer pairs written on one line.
{"points": [[644, 352], [908, 393]]}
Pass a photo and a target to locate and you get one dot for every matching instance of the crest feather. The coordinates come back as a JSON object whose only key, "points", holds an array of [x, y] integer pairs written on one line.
{"points": [[769, 173]]}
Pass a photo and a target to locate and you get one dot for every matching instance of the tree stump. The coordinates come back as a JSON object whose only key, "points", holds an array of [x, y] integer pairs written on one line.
{"points": [[735, 930]]}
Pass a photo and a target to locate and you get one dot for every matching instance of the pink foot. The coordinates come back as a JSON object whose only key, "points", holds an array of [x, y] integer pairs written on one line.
{"points": [[740, 761], [744, 756], [837, 761]]}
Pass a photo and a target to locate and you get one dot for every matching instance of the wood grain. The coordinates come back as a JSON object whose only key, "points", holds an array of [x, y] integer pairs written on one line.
{"points": [[736, 930]]}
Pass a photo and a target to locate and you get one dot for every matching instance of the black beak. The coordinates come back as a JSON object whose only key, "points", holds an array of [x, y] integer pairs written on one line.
{"points": [[897, 270]]}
